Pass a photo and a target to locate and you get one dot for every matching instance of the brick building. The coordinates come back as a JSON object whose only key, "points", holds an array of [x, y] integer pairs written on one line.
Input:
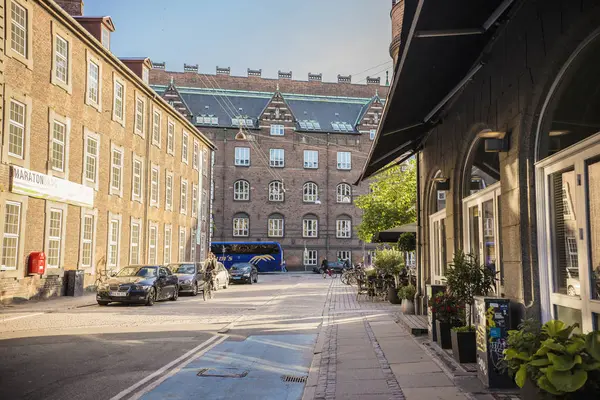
{"points": [[95, 170], [506, 135], [288, 154]]}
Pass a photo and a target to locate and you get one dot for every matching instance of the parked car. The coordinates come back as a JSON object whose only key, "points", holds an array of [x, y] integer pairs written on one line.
{"points": [[336, 266], [573, 284], [190, 276], [143, 284], [222, 277], [244, 273]]}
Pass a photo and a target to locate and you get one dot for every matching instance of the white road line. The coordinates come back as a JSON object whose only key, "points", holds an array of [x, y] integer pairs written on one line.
{"points": [[175, 370], [163, 369], [22, 316]]}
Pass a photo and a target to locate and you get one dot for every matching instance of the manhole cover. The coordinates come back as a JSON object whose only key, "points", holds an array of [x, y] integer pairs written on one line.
{"points": [[294, 378], [222, 373]]}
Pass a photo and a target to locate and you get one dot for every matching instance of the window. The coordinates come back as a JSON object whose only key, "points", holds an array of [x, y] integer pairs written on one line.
{"points": [[195, 155], [19, 29], [204, 205], [181, 244], [277, 130], [242, 156], [140, 110], [93, 84], [344, 193], [134, 245], [344, 255], [91, 154], [183, 197], [276, 191], [136, 180], [156, 121], [277, 158], [119, 101], [105, 37], [311, 159], [57, 156], [61, 59], [16, 129], [310, 258], [184, 147], [154, 188], [171, 138], [344, 160], [152, 242], [241, 225], [145, 75], [116, 174], [372, 134], [194, 199], [87, 239], [310, 227], [343, 228], [55, 237], [275, 226], [241, 190], [10, 240], [205, 161], [168, 238], [169, 191], [437, 240], [114, 233], [193, 244], [310, 192], [572, 252]]}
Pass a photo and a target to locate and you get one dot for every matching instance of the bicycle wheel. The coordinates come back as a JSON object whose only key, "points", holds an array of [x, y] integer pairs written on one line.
{"points": [[344, 278], [352, 280]]}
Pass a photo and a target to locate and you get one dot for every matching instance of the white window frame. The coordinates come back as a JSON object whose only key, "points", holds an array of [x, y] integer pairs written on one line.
{"points": [[341, 194], [276, 197], [139, 197], [276, 158], [24, 103], [311, 159], [146, 75], [343, 228], [195, 155], [89, 100], [205, 161], [114, 188], [344, 255], [105, 37], [139, 123], [27, 57], [183, 198], [55, 119], [181, 244], [113, 219], [310, 228], [167, 243], [154, 186], [436, 263], [204, 207], [276, 227], [241, 190], [62, 209], [87, 215], [169, 190], [241, 226], [61, 62], [18, 236], [90, 136], [242, 156], [311, 257], [277, 130], [118, 81], [170, 136], [185, 141], [152, 246], [135, 247], [313, 194], [192, 244], [156, 126], [194, 200], [344, 160]]}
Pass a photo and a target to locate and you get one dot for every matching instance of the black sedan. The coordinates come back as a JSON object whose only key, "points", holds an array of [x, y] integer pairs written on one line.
{"points": [[142, 284], [190, 275], [243, 273]]}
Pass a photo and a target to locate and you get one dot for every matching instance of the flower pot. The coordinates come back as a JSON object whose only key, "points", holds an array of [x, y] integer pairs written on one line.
{"points": [[407, 307], [464, 348], [444, 337], [393, 295]]}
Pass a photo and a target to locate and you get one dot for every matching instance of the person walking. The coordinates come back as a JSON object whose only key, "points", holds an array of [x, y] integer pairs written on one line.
{"points": [[324, 265]]}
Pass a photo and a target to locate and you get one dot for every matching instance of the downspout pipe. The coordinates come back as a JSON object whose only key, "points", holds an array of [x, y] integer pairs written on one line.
{"points": [[420, 280]]}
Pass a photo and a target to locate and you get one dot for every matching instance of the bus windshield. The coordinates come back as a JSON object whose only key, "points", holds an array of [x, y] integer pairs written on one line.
{"points": [[266, 256]]}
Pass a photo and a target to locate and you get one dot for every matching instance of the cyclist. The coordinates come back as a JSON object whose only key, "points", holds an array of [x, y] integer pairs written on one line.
{"points": [[210, 270]]}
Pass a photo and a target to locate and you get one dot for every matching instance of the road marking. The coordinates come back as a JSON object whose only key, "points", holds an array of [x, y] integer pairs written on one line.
{"points": [[22, 316], [163, 369], [175, 370]]}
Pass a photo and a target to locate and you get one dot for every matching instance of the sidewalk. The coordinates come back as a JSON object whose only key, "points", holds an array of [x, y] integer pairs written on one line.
{"points": [[49, 305], [362, 353]]}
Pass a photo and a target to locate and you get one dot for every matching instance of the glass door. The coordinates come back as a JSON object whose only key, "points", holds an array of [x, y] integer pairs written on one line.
{"points": [[437, 247]]}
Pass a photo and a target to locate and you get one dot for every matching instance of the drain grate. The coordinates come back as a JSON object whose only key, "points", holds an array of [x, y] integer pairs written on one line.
{"points": [[294, 378], [222, 373]]}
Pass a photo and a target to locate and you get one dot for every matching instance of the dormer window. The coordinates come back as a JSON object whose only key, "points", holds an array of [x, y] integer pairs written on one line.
{"points": [[145, 75], [106, 37]]}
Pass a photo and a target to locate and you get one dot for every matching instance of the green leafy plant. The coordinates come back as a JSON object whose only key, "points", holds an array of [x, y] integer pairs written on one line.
{"points": [[407, 242], [556, 360], [464, 328], [407, 292], [389, 261], [446, 308]]}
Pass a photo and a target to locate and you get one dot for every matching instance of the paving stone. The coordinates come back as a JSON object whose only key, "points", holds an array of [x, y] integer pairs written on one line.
{"points": [[432, 379], [359, 374], [407, 368], [373, 386], [346, 364], [433, 393]]}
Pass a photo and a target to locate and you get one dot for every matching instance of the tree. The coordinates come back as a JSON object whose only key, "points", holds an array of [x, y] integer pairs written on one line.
{"points": [[391, 202]]}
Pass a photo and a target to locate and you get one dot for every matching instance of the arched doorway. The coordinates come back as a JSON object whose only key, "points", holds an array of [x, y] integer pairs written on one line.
{"points": [[437, 232]]}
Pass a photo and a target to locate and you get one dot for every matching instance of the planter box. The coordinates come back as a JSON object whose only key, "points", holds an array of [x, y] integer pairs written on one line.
{"points": [[393, 296], [464, 348], [444, 336]]}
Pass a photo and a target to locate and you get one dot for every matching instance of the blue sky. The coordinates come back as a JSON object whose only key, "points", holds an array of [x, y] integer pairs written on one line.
{"points": [[328, 36]]}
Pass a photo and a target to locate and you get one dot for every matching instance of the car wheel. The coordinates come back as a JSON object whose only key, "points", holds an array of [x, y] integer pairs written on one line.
{"points": [[571, 291], [226, 284], [216, 285], [250, 280], [103, 303], [256, 278], [151, 297], [175, 294], [195, 289]]}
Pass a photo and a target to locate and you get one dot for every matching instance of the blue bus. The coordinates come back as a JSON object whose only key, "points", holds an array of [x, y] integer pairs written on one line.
{"points": [[266, 256]]}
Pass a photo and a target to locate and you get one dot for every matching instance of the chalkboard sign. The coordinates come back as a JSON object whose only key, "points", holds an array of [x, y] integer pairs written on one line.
{"points": [[432, 290], [492, 322]]}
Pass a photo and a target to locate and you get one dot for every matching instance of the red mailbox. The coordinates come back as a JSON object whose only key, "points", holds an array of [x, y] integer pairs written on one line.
{"points": [[37, 263]]}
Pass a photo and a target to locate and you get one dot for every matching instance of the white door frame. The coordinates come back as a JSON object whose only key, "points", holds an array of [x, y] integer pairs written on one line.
{"points": [[435, 254]]}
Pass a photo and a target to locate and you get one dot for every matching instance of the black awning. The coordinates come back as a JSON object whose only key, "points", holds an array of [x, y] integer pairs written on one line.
{"points": [[441, 49], [392, 235]]}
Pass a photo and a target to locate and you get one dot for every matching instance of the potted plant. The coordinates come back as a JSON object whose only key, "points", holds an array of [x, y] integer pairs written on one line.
{"points": [[389, 263], [407, 294], [447, 310], [555, 363], [466, 278]]}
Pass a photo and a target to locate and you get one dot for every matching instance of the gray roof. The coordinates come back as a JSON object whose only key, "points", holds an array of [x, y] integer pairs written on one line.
{"points": [[325, 113]]}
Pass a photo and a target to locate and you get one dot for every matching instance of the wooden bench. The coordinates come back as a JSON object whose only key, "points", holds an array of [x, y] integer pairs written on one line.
{"points": [[416, 324]]}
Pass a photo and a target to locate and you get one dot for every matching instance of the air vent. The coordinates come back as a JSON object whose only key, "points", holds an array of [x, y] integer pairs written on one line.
{"points": [[294, 378]]}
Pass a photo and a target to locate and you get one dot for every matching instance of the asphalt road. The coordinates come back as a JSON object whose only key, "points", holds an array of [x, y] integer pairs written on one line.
{"points": [[123, 351]]}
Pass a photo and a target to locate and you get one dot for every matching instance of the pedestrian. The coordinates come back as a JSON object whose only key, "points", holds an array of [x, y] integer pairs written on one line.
{"points": [[210, 268], [347, 264], [324, 265]]}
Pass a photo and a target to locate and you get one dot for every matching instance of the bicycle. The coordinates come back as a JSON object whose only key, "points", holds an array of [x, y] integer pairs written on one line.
{"points": [[207, 289], [328, 272], [101, 274]]}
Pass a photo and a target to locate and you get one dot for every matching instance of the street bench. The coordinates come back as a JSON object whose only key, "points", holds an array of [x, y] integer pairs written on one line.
{"points": [[416, 324]]}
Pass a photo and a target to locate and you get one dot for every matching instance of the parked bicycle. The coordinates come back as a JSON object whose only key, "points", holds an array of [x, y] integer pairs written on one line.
{"points": [[328, 272]]}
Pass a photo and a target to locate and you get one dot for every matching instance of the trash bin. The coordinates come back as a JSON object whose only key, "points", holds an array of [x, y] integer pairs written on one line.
{"points": [[74, 283]]}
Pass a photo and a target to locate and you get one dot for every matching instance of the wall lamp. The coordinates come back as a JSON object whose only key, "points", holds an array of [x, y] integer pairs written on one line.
{"points": [[442, 183], [495, 141]]}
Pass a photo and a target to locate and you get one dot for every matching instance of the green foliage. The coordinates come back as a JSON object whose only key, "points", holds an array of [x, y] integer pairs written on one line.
{"points": [[407, 242], [558, 361], [407, 292], [467, 328], [391, 202], [389, 261], [446, 308]]}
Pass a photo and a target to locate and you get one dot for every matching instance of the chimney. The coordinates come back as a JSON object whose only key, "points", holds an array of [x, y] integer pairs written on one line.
{"points": [[315, 77], [190, 68], [344, 79], [254, 72], [285, 75], [159, 65], [73, 7], [373, 81], [223, 71]]}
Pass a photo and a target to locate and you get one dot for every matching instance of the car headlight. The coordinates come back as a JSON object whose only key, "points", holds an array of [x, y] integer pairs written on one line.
{"points": [[247, 274], [186, 281], [141, 287]]}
